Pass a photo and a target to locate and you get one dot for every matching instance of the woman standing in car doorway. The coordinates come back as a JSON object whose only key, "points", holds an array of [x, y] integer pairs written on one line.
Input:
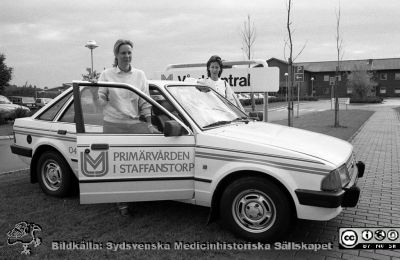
{"points": [[214, 71], [122, 108]]}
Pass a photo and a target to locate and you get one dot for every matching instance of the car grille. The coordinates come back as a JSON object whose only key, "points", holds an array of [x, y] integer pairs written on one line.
{"points": [[351, 165]]}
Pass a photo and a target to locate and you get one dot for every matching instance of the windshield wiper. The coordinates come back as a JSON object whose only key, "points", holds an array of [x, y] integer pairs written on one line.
{"points": [[203, 88], [218, 123], [242, 119]]}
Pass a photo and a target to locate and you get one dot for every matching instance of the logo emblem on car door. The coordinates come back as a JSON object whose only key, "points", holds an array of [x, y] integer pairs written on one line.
{"points": [[94, 167]]}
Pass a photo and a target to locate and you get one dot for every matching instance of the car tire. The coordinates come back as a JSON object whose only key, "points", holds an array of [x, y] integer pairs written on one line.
{"points": [[54, 175], [256, 209]]}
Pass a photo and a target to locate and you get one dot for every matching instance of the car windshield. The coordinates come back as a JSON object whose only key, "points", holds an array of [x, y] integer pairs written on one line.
{"points": [[4, 100], [205, 106]]}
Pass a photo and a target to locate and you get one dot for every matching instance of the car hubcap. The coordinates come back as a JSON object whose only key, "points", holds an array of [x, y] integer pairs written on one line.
{"points": [[254, 211], [52, 175]]}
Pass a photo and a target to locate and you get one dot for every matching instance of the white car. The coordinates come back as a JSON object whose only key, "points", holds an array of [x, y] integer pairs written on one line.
{"points": [[257, 177], [41, 102], [10, 111]]}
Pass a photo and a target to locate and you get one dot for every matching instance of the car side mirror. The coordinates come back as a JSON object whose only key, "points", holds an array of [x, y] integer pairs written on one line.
{"points": [[173, 128]]}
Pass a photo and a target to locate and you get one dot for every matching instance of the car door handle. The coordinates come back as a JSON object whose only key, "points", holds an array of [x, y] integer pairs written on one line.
{"points": [[99, 146], [62, 132]]}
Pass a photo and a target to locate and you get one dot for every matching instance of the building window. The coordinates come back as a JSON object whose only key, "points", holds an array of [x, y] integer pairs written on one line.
{"points": [[397, 90], [383, 76], [349, 90], [326, 77], [382, 90], [397, 76]]}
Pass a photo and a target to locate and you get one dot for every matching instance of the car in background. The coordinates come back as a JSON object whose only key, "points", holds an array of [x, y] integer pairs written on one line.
{"points": [[261, 96], [10, 111], [41, 102], [243, 96], [23, 101]]}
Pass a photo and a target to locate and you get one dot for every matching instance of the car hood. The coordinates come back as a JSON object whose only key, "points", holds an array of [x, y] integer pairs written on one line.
{"points": [[257, 136]]}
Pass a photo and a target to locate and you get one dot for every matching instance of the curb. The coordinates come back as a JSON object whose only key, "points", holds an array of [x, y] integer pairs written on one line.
{"points": [[359, 129], [14, 171]]}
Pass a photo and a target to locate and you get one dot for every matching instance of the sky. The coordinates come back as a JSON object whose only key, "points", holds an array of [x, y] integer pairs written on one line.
{"points": [[44, 41]]}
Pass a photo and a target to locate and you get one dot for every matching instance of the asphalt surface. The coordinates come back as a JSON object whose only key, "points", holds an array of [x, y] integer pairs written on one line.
{"points": [[378, 145], [9, 162]]}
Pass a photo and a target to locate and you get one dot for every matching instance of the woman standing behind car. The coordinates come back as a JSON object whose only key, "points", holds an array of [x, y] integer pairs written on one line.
{"points": [[214, 71]]}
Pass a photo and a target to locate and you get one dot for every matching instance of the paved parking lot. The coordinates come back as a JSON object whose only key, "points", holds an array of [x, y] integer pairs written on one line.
{"points": [[378, 145]]}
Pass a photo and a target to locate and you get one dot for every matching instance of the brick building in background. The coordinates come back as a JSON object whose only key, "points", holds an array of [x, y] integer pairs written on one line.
{"points": [[318, 75]]}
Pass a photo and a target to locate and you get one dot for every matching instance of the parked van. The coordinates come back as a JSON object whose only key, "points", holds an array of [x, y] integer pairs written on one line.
{"points": [[23, 101], [41, 102]]}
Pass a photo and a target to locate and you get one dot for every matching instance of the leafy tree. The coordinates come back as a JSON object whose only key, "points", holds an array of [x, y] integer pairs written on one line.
{"points": [[5, 73], [24, 91], [361, 81]]}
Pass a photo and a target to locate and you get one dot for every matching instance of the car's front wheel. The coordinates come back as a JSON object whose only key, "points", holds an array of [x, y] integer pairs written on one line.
{"points": [[256, 209], [54, 174]]}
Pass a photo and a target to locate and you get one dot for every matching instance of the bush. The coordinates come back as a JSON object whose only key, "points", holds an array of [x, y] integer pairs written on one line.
{"points": [[19, 112], [366, 100]]}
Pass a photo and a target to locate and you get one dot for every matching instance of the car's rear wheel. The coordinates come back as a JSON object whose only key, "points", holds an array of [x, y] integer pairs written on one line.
{"points": [[256, 209], [54, 175]]}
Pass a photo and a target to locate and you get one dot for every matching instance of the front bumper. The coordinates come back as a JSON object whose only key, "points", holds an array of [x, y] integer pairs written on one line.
{"points": [[347, 197]]}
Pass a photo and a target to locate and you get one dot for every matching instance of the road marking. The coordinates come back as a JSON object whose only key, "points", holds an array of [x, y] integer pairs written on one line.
{"points": [[9, 172]]}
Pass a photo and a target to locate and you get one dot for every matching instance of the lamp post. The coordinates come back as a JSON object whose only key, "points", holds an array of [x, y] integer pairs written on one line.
{"points": [[312, 86], [91, 45], [287, 87]]}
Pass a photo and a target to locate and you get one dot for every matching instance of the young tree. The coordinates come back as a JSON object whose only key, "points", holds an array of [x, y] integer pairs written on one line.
{"points": [[248, 34], [361, 81], [289, 45], [5, 73], [339, 52]]}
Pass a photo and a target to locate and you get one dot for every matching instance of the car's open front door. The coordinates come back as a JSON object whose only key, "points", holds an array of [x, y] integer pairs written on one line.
{"points": [[117, 167]]}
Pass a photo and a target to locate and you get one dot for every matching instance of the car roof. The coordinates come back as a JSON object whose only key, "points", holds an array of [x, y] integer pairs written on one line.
{"points": [[160, 83], [4, 98]]}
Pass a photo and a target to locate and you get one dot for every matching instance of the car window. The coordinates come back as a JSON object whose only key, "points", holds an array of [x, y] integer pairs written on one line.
{"points": [[120, 111], [69, 114], [93, 114], [204, 105], [161, 99], [51, 112]]}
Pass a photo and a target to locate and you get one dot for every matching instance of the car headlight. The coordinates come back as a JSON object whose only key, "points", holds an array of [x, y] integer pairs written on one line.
{"points": [[336, 179]]}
